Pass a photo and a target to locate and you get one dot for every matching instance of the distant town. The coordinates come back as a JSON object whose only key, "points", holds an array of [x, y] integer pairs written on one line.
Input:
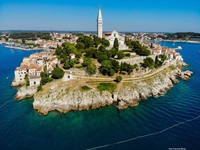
{"points": [[49, 41]]}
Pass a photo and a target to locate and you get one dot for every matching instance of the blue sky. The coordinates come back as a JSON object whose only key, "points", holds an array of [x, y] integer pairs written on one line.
{"points": [[120, 15]]}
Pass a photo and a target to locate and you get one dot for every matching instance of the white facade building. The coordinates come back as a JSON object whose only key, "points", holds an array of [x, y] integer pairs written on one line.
{"points": [[20, 74], [34, 80], [121, 40]]}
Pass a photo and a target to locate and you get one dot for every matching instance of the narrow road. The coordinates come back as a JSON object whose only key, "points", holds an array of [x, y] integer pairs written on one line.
{"points": [[131, 78]]}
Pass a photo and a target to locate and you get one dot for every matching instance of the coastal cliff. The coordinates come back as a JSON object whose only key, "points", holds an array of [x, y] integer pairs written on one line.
{"points": [[25, 92], [65, 96]]}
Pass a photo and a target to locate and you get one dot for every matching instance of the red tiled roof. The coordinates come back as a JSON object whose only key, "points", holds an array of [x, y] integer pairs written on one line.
{"points": [[108, 33], [33, 66], [71, 54]]}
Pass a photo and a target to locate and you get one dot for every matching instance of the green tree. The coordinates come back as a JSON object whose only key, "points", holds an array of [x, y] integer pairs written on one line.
{"points": [[57, 73], [72, 62], [111, 72], [58, 51], [86, 61], [102, 57], [89, 52], [109, 53], [102, 48], [118, 79], [105, 42], [91, 69], [116, 44], [120, 54], [97, 41], [149, 62], [106, 67], [80, 46], [114, 52], [128, 54], [27, 80], [115, 65], [86, 40], [157, 62], [39, 88], [45, 77], [135, 66], [129, 70], [138, 48], [66, 65], [163, 57]]}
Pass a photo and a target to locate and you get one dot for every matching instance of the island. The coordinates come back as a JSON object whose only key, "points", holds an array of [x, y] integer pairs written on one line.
{"points": [[93, 72]]}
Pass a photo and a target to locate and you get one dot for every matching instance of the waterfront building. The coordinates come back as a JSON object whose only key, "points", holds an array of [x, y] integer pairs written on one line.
{"points": [[99, 24], [33, 66], [20, 73]]}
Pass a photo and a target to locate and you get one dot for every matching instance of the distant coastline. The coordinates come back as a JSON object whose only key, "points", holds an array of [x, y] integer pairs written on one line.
{"points": [[198, 42], [22, 48]]}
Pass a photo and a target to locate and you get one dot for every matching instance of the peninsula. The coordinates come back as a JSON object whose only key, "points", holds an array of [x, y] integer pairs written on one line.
{"points": [[96, 71], [73, 83]]}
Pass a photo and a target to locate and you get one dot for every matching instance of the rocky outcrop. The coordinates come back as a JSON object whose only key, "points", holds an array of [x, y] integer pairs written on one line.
{"points": [[155, 87], [184, 75], [17, 84], [63, 101], [25, 92]]}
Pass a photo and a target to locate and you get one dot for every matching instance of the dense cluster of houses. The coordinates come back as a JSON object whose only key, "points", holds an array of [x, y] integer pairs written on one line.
{"points": [[31, 67], [57, 39], [157, 49]]}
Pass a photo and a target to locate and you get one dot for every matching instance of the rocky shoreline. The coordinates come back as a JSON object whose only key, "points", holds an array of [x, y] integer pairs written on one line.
{"points": [[64, 96], [127, 95]]}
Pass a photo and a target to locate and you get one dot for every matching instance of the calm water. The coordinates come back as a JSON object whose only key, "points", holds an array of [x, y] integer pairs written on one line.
{"points": [[23, 128]]}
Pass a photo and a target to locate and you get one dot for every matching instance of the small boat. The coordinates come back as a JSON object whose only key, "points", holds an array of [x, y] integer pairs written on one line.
{"points": [[178, 48], [7, 78]]}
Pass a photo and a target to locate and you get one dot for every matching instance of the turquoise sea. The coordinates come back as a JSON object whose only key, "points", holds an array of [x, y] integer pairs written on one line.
{"points": [[156, 124]]}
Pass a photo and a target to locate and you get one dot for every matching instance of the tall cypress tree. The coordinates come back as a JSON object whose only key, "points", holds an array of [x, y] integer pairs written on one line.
{"points": [[116, 44]]}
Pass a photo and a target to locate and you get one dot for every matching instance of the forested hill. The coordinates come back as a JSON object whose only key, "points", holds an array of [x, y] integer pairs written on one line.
{"points": [[182, 36]]}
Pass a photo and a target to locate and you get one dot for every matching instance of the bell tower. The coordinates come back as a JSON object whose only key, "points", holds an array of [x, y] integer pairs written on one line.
{"points": [[99, 23]]}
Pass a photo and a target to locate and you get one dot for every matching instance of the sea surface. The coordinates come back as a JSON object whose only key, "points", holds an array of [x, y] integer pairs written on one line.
{"points": [[170, 121]]}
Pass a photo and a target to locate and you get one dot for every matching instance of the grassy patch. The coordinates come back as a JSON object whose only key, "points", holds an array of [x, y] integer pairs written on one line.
{"points": [[79, 67], [172, 67], [85, 88], [110, 87]]}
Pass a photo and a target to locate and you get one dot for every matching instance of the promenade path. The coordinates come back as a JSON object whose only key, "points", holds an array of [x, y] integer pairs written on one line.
{"points": [[131, 78]]}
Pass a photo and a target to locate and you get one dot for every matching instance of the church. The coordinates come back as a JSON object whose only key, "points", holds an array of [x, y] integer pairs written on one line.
{"points": [[110, 36]]}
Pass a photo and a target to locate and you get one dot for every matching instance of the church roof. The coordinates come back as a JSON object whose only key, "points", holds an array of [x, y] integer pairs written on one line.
{"points": [[108, 33]]}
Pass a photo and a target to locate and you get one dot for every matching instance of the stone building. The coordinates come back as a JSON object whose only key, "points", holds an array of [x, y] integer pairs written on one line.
{"points": [[34, 80], [110, 36]]}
